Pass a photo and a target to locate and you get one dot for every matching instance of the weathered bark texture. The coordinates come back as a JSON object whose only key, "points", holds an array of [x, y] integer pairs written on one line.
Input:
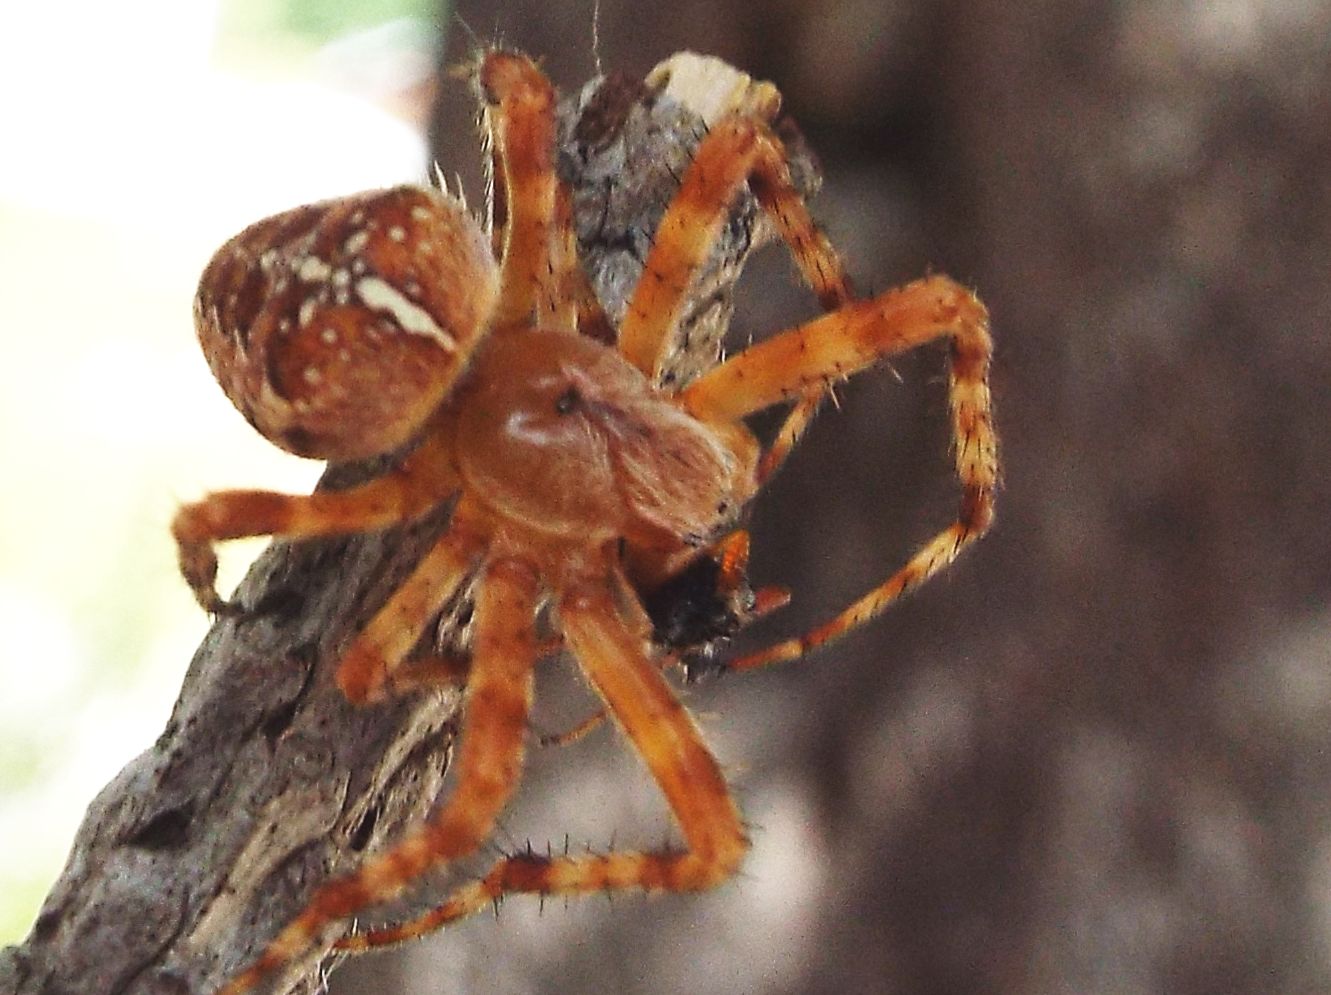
{"points": [[265, 781]]}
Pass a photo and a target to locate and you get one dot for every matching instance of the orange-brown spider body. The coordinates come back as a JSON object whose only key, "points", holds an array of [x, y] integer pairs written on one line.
{"points": [[359, 326]]}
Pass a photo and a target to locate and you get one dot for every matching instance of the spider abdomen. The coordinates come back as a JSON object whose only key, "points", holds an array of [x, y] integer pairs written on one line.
{"points": [[336, 328], [562, 434]]}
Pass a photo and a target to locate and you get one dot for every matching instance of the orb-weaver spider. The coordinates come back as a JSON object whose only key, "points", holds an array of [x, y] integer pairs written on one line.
{"points": [[579, 480]]}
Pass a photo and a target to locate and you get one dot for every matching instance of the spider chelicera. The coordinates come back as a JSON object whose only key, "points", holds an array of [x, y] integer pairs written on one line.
{"points": [[579, 481]]}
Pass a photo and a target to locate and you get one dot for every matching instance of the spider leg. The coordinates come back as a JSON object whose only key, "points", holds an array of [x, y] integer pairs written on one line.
{"points": [[426, 673], [489, 764], [381, 669], [849, 340], [519, 108], [374, 662], [423, 479], [665, 736], [737, 149], [579, 307], [574, 733]]}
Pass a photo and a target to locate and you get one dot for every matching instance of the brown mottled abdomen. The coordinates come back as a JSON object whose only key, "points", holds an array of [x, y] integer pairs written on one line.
{"points": [[338, 327]]}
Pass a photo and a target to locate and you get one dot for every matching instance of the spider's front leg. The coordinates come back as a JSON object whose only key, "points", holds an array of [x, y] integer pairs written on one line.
{"points": [[740, 148], [737, 149], [846, 341]]}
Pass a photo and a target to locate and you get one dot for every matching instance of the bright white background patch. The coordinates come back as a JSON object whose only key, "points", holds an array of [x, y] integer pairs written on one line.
{"points": [[112, 198]]}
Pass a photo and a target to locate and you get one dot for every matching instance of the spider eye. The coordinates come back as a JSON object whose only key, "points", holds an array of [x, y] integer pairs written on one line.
{"points": [[567, 401]]}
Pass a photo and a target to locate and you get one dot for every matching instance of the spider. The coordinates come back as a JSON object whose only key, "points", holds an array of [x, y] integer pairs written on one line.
{"points": [[579, 482]]}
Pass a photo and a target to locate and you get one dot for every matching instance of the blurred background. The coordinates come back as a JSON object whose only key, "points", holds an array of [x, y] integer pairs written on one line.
{"points": [[1094, 757]]}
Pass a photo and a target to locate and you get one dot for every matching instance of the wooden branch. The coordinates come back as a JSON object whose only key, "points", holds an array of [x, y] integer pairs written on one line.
{"points": [[265, 781]]}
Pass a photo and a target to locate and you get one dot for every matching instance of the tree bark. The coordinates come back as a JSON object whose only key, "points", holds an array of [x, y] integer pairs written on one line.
{"points": [[265, 781]]}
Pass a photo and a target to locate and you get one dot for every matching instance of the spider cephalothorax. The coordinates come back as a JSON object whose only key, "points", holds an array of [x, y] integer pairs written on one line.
{"points": [[578, 481]]}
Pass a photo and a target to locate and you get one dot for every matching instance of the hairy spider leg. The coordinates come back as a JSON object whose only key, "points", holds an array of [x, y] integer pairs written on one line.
{"points": [[581, 309], [374, 658], [614, 659], [731, 554], [519, 112], [419, 483], [567, 302], [847, 341], [736, 149], [499, 695], [825, 273]]}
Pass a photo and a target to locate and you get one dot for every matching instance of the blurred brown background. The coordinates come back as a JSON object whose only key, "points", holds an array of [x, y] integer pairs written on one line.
{"points": [[1094, 756]]}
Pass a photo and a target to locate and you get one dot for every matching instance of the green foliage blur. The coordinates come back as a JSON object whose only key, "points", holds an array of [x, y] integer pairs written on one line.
{"points": [[317, 21]]}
